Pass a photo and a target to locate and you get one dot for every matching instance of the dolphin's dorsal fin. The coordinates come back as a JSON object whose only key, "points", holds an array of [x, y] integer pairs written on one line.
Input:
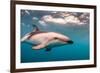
{"points": [[36, 28]]}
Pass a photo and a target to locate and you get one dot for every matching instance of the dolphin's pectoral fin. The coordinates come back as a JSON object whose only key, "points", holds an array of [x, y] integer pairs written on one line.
{"points": [[48, 49]]}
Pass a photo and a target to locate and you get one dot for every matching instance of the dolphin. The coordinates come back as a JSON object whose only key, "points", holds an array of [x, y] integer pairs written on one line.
{"points": [[42, 39]]}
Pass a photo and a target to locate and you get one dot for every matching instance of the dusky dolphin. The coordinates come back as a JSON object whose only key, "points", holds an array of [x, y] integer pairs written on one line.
{"points": [[42, 39]]}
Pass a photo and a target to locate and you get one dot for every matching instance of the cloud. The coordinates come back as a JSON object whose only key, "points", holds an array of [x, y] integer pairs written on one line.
{"points": [[50, 19], [42, 23], [66, 18], [35, 18], [53, 12]]}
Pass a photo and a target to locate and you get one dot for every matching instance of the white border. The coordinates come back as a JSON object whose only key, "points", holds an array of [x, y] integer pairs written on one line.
{"points": [[57, 63]]}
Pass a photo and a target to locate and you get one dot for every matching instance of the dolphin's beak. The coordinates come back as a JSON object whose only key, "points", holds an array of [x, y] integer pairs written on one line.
{"points": [[70, 42]]}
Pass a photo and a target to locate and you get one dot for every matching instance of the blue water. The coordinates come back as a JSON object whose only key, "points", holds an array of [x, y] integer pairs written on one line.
{"points": [[79, 50]]}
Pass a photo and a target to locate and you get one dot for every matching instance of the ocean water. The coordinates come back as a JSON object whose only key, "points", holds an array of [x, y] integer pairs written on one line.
{"points": [[79, 50]]}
